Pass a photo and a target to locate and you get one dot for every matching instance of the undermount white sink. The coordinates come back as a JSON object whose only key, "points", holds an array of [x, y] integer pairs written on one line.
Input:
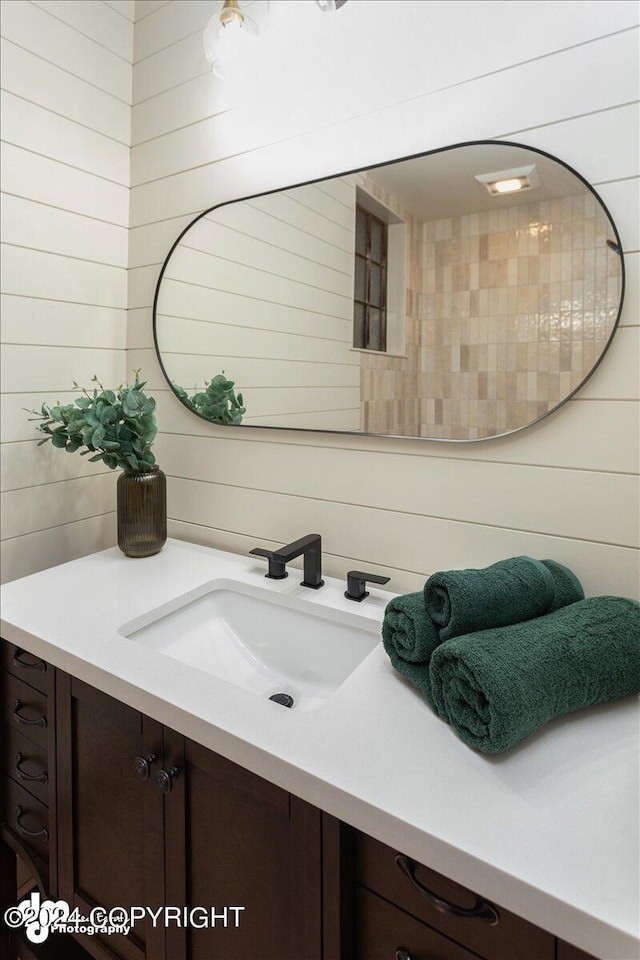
{"points": [[264, 642]]}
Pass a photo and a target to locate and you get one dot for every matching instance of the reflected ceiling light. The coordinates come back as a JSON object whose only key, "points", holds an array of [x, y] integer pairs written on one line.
{"points": [[228, 37], [510, 181], [328, 6]]}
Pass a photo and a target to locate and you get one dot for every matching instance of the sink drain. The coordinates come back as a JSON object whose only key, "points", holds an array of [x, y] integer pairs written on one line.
{"points": [[284, 698]]}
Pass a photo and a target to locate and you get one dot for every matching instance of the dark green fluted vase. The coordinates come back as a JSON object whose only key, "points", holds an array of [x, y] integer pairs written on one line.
{"points": [[142, 512]]}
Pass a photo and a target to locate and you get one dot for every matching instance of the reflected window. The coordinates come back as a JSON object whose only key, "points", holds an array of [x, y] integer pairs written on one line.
{"points": [[370, 286]]}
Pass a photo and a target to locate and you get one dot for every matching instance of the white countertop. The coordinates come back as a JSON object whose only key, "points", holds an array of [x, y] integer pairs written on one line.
{"points": [[548, 830]]}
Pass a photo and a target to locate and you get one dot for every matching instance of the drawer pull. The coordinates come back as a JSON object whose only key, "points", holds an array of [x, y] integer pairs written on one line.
{"points": [[37, 663], [481, 910], [28, 777], [38, 722], [32, 835], [402, 954]]}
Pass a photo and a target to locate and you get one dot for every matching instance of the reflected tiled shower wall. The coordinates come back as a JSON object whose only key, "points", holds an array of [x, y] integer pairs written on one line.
{"points": [[513, 311]]}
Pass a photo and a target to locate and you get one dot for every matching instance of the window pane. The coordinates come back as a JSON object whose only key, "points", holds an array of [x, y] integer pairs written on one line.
{"points": [[376, 240], [375, 285], [360, 293], [361, 231], [375, 329], [358, 325]]}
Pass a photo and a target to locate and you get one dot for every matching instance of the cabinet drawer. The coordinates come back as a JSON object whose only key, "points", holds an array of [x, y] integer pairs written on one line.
{"points": [[25, 710], [376, 868], [26, 817], [568, 952], [385, 933], [26, 763], [25, 666]]}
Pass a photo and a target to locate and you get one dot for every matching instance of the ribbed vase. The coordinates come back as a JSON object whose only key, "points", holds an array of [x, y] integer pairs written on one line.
{"points": [[142, 512]]}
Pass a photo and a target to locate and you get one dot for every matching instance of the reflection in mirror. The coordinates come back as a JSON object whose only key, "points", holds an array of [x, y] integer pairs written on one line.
{"points": [[457, 295]]}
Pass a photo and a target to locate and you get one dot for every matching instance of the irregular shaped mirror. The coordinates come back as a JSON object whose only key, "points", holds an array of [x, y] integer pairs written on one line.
{"points": [[457, 295]]}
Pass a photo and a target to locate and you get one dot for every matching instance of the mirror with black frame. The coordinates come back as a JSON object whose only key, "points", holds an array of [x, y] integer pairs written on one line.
{"points": [[460, 295]]}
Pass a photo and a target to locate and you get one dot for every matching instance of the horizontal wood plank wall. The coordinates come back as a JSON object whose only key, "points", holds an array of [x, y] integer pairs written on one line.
{"points": [[281, 267], [66, 112], [566, 488]]}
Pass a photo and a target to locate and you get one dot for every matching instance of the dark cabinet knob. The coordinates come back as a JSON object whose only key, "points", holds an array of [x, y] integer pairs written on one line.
{"points": [[142, 766], [164, 779], [402, 954], [356, 581]]}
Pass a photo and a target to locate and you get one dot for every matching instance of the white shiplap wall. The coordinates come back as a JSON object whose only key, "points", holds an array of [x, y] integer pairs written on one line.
{"points": [[562, 77], [263, 290], [66, 125]]}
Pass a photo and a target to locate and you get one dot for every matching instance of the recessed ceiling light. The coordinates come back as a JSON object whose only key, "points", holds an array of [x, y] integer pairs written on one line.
{"points": [[510, 181]]}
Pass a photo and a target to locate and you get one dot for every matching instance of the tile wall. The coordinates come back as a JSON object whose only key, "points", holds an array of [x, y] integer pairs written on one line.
{"points": [[514, 307]]}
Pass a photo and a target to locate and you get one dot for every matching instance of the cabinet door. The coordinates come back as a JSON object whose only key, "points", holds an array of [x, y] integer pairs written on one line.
{"points": [[568, 952], [110, 820], [235, 840]]}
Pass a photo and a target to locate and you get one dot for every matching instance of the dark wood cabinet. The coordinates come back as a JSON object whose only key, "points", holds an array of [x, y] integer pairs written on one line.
{"points": [[383, 932], [110, 825], [28, 763], [463, 916], [568, 952], [149, 818], [236, 841], [109, 808]]}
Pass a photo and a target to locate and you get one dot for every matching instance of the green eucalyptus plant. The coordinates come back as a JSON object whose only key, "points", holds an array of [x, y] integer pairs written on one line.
{"points": [[217, 402], [117, 427]]}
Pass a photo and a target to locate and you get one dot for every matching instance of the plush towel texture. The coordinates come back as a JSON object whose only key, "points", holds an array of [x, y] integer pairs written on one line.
{"points": [[407, 631], [498, 686], [510, 591], [462, 601]]}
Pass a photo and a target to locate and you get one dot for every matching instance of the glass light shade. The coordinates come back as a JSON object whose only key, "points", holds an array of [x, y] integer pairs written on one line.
{"points": [[228, 45], [329, 6]]}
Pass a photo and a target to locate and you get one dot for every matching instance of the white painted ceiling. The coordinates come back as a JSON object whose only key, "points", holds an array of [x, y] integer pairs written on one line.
{"points": [[442, 184]]}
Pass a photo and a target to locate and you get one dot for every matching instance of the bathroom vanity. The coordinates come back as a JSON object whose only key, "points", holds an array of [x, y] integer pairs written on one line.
{"points": [[354, 825]]}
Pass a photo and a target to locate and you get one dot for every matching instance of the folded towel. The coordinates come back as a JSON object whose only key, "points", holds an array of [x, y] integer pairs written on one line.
{"points": [[510, 591], [496, 687]]}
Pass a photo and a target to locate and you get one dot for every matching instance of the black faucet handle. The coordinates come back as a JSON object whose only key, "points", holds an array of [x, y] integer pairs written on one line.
{"points": [[277, 569], [356, 580]]}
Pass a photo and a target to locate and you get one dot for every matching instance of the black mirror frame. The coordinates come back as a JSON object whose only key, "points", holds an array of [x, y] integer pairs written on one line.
{"points": [[358, 433]]}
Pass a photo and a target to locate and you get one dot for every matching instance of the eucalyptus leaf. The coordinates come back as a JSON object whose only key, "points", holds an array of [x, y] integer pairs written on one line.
{"points": [[217, 403], [117, 427], [98, 436]]}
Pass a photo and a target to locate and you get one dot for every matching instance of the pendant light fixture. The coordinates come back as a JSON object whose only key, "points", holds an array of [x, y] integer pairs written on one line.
{"points": [[330, 6], [228, 38]]}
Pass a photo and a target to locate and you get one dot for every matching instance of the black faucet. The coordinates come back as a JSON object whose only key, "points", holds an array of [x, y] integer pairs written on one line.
{"points": [[356, 583], [310, 546]]}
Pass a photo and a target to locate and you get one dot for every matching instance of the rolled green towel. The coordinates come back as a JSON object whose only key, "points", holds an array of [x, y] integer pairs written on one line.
{"points": [[409, 636], [510, 591], [407, 630], [568, 588], [496, 687]]}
